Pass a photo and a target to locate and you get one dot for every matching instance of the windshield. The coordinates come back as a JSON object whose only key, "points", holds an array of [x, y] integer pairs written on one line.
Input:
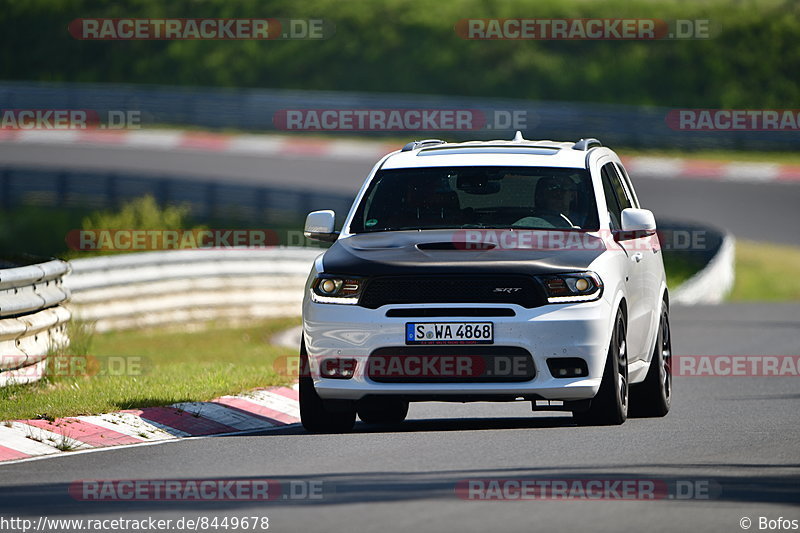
{"points": [[478, 197]]}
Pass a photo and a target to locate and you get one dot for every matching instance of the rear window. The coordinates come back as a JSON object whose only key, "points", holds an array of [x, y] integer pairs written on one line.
{"points": [[477, 197]]}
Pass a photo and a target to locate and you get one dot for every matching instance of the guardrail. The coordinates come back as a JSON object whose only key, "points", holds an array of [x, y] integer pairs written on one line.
{"points": [[207, 199], [32, 319], [255, 109], [188, 286]]}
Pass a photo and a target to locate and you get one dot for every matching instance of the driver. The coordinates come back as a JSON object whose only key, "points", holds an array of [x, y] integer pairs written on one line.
{"points": [[553, 202]]}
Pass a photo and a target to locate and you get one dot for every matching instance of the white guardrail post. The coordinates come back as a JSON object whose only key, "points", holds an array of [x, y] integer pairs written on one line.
{"points": [[32, 319]]}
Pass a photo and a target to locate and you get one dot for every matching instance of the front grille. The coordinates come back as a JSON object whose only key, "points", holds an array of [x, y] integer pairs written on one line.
{"points": [[500, 289], [450, 364]]}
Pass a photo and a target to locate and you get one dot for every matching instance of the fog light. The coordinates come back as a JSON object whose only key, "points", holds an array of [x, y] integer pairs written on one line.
{"points": [[567, 367], [337, 368]]}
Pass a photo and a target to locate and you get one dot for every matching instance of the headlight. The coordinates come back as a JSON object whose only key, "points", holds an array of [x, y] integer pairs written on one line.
{"points": [[573, 287], [336, 290]]}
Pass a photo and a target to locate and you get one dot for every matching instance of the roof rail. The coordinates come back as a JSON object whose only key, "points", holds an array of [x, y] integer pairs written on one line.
{"points": [[413, 145], [585, 144]]}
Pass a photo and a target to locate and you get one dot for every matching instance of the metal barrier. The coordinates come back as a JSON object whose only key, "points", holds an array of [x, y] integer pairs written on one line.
{"points": [[188, 286], [255, 109], [207, 199], [32, 319]]}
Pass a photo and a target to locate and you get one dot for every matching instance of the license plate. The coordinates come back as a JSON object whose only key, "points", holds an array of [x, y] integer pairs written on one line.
{"points": [[449, 332]]}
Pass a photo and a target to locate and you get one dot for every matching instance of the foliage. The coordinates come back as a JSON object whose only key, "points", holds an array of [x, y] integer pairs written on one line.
{"points": [[411, 46]]}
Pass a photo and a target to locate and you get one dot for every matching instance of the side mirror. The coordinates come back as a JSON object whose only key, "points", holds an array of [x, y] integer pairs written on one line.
{"points": [[319, 226], [637, 223]]}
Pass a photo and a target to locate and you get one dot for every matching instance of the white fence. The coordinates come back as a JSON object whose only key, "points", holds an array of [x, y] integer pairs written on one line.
{"points": [[32, 319], [188, 286]]}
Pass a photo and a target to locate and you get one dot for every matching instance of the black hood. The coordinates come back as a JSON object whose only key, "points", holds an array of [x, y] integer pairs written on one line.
{"points": [[445, 252]]}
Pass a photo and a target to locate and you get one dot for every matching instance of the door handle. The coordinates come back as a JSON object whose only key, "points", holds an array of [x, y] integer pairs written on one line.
{"points": [[637, 257]]}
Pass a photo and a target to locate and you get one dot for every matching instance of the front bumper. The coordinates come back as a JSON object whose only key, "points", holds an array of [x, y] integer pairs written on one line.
{"points": [[572, 330]]}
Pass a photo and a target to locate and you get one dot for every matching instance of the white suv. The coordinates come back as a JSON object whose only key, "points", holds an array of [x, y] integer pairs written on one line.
{"points": [[487, 271]]}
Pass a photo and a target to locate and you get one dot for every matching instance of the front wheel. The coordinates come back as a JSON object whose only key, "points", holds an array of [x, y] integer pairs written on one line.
{"points": [[318, 415], [653, 396], [610, 406]]}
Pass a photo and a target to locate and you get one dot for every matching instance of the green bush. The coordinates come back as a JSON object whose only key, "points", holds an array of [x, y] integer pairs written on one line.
{"points": [[138, 214], [41, 231]]}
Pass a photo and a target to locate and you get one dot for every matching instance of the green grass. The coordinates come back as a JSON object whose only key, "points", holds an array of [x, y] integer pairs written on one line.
{"points": [[174, 367], [766, 272]]}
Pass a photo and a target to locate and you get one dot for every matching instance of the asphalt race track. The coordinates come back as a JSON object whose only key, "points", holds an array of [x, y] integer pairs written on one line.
{"points": [[757, 211], [732, 438]]}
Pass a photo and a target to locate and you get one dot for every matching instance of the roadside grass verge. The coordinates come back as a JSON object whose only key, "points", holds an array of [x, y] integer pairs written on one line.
{"points": [[766, 272], [131, 369]]}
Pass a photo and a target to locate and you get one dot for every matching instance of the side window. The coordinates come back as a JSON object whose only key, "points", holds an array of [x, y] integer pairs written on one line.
{"points": [[620, 191], [626, 180], [614, 210]]}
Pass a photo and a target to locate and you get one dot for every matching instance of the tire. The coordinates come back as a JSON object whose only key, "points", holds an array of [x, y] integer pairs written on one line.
{"points": [[382, 410], [653, 396], [318, 415], [610, 406]]}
